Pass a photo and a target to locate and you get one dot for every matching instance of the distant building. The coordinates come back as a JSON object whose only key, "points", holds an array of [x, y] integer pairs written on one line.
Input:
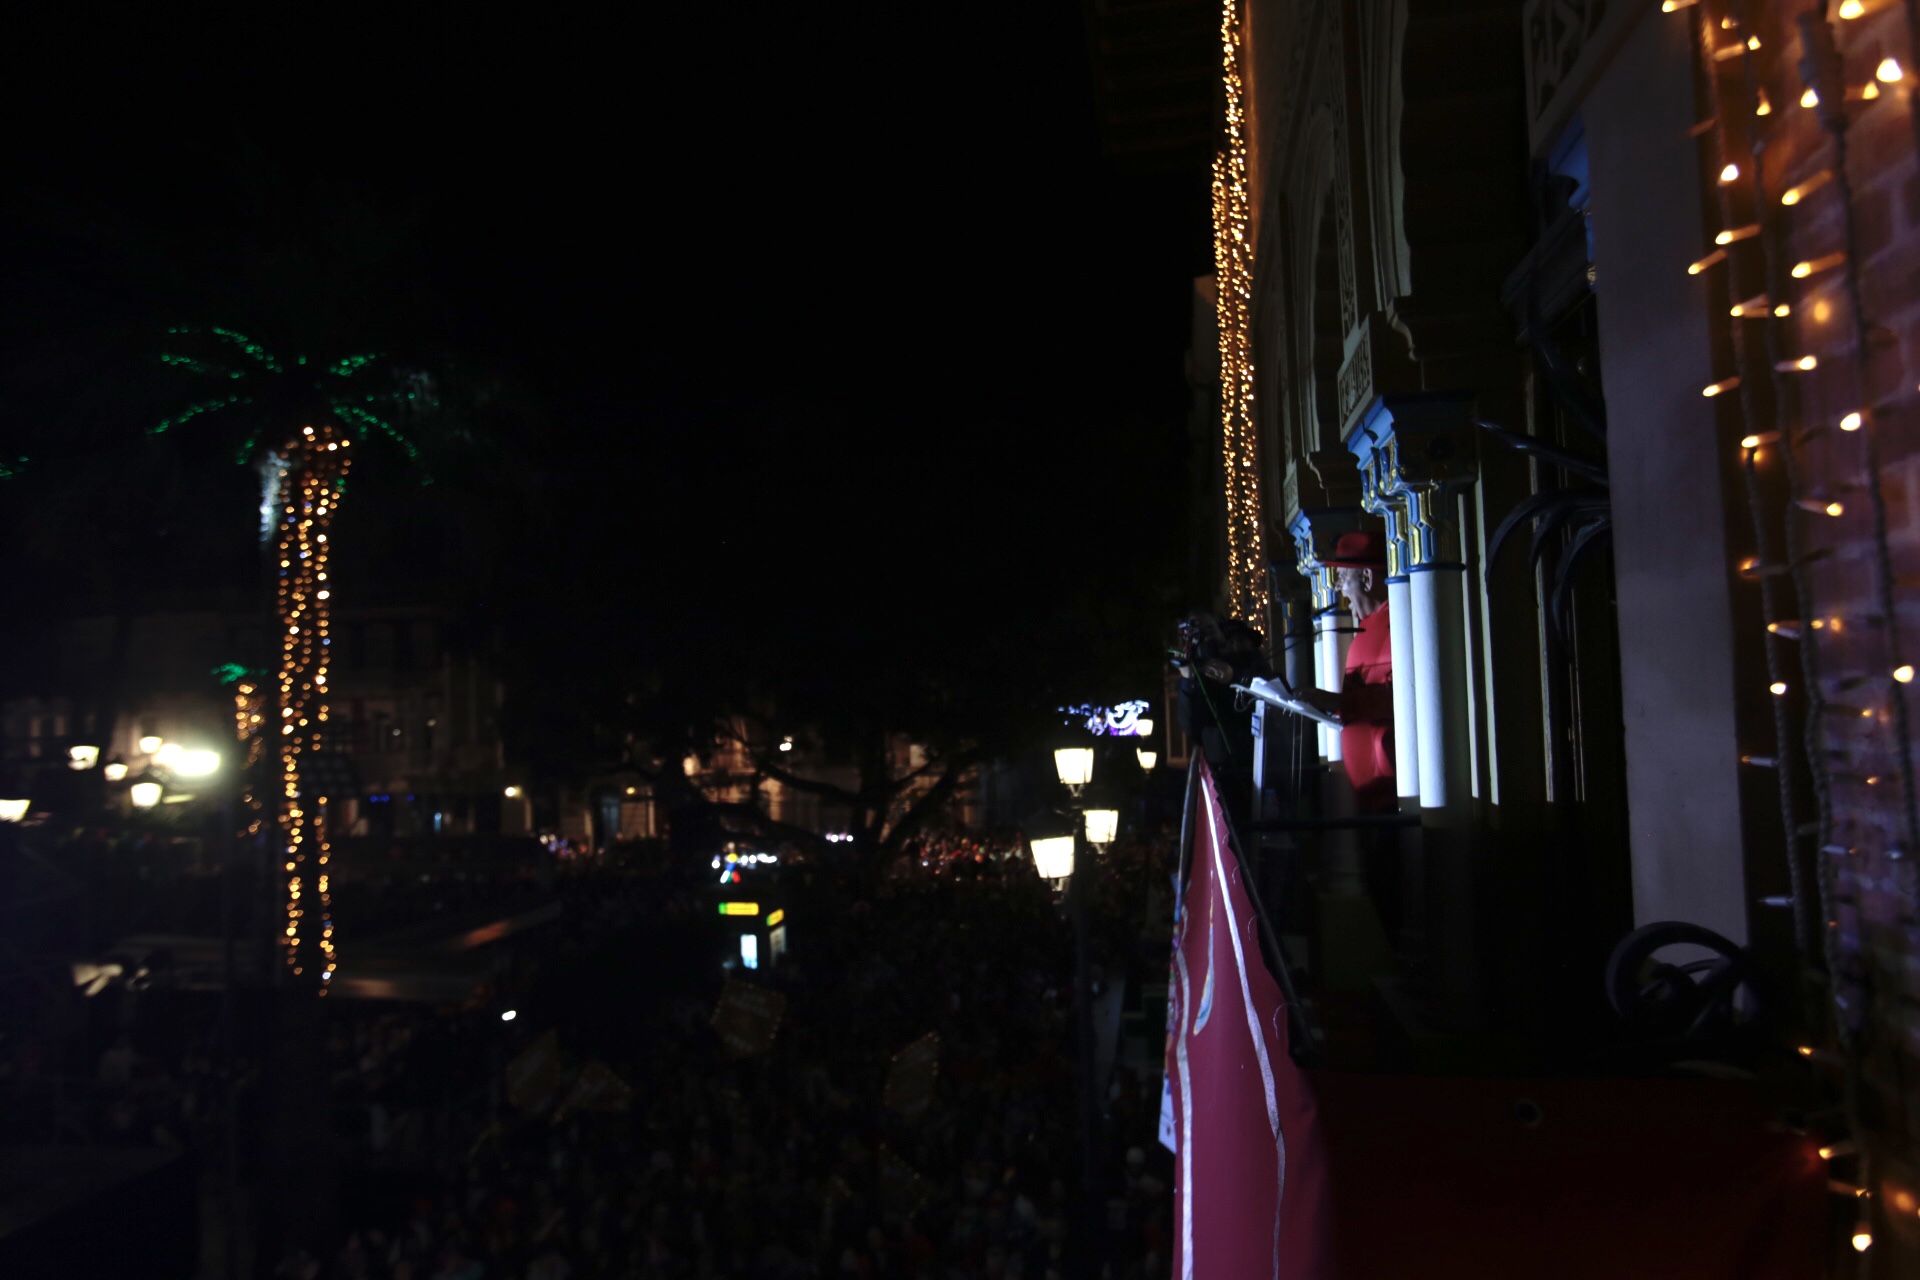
{"points": [[414, 721]]}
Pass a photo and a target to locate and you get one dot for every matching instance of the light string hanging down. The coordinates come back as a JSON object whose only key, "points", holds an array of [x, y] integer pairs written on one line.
{"points": [[249, 729], [1822, 60], [1247, 589], [1843, 992], [1761, 432], [313, 479]]}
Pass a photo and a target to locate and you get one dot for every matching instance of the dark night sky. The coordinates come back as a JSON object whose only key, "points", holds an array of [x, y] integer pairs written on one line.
{"points": [[814, 297]]}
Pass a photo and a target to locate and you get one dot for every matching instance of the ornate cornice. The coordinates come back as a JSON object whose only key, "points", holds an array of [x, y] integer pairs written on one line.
{"points": [[1415, 451]]}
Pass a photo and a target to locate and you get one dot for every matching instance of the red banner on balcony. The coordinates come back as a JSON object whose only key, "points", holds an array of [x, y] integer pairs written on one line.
{"points": [[1580, 1178], [1250, 1186]]}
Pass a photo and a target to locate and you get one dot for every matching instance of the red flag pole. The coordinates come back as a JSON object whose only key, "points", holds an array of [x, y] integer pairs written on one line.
{"points": [[1186, 827]]}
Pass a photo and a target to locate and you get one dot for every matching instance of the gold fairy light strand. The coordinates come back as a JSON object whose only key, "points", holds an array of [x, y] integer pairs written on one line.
{"points": [[1233, 276], [310, 487], [249, 721]]}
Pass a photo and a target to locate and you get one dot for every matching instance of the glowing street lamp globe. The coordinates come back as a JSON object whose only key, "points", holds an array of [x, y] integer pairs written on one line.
{"points": [[1102, 826], [144, 795], [190, 763], [1074, 765], [1053, 857], [82, 758]]}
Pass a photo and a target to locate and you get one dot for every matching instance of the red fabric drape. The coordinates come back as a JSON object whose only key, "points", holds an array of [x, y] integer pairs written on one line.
{"points": [[1317, 1175]]}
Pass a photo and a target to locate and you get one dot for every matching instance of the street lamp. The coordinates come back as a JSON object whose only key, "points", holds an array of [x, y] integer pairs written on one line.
{"points": [[1075, 767], [1053, 856], [1102, 826], [189, 763]]}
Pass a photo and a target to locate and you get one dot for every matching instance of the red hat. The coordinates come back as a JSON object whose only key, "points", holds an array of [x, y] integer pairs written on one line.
{"points": [[1360, 549]]}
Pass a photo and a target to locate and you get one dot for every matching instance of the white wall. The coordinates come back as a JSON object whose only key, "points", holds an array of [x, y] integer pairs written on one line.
{"points": [[1670, 542]]}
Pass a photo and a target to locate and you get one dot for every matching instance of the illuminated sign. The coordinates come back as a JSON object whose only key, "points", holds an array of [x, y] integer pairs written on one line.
{"points": [[739, 908], [1122, 720], [749, 951], [775, 916]]}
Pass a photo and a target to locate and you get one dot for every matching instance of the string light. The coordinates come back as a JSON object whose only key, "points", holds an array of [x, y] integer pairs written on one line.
{"points": [[1754, 439], [1801, 190], [1778, 688], [1675, 6], [1851, 422], [1851, 9], [1721, 387], [1733, 234], [1762, 107], [1808, 98], [1798, 364], [1904, 673], [312, 481], [1696, 267], [1233, 277], [1889, 72], [1729, 174], [1811, 266]]}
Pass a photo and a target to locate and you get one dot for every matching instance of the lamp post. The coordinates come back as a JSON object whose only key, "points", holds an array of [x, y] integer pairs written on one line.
{"points": [[1074, 765]]}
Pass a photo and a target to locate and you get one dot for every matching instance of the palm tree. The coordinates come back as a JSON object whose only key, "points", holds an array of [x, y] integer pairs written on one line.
{"points": [[297, 420]]}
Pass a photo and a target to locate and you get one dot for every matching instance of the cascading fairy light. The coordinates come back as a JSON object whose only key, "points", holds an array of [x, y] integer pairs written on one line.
{"points": [[1233, 276], [312, 481], [1844, 989], [249, 724]]}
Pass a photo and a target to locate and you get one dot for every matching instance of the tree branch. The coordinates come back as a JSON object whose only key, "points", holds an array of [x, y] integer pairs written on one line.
{"points": [[930, 802]]}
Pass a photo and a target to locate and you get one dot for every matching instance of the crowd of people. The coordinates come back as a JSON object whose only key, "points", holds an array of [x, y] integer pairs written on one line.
{"points": [[605, 1129]]}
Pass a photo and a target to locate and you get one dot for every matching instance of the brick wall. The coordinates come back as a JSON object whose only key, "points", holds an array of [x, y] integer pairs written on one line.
{"points": [[1863, 755]]}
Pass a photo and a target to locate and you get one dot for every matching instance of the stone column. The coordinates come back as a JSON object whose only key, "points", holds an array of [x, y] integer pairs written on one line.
{"points": [[1437, 586], [1417, 450], [1406, 729]]}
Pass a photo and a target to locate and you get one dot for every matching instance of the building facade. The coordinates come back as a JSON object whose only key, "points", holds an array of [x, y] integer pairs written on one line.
{"points": [[1602, 314], [414, 723]]}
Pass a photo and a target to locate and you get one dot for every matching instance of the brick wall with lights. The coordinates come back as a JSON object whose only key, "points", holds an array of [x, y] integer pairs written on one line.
{"points": [[1809, 135]]}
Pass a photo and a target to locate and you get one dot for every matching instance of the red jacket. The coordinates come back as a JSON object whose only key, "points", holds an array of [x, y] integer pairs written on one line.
{"points": [[1366, 714]]}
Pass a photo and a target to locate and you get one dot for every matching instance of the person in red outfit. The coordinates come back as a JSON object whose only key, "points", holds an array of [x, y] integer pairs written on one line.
{"points": [[1365, 701]]}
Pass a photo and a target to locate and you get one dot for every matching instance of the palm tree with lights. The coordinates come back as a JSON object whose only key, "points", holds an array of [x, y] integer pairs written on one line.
{"points": [[298, 421]]}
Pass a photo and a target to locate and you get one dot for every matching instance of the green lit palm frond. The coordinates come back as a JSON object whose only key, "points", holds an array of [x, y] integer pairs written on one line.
{"points": [[364, 391]]}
